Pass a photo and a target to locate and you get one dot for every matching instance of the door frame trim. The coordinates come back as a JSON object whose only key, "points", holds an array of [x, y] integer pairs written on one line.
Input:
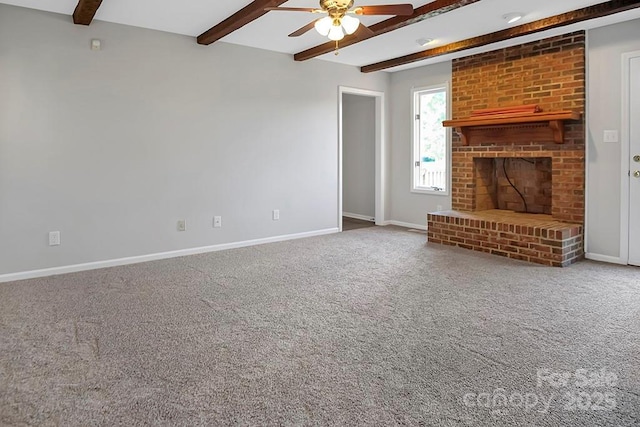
{"points": [[380, 149], [625, 155]]}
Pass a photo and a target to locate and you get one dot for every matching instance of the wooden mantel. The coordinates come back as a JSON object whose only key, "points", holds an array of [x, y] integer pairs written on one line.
{"points": [[551, 120]]}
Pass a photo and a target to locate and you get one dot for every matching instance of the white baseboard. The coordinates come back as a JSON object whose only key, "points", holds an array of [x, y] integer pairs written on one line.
{"points": [[358, 216], [157, 256], [406, 225], [605, 258]]}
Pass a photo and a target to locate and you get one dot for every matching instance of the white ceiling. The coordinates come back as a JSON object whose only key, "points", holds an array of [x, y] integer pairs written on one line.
{"points": [[269, 32]]}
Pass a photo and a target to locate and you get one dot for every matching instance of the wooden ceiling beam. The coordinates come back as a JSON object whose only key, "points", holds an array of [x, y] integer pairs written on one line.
{"points": [[564, 19], [238, 20], [85, 11], [429, 10]]}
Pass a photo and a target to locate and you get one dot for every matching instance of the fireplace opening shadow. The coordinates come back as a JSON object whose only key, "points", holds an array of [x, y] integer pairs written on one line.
{"points": [[515, 184]]}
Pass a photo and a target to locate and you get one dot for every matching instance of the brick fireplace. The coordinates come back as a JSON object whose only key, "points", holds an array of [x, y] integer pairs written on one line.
{"points": [[541, 221]]}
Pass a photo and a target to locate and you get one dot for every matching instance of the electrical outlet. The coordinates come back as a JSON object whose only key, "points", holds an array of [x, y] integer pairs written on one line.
{"points": [[182, 225], [276, 214], [217, 221], [54, 238]]}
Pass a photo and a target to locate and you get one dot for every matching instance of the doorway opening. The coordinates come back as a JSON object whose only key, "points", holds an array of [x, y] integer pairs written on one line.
{"points": [[360, 158]]}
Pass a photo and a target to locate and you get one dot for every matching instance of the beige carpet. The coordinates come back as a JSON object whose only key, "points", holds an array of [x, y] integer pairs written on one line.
{"points": [[368, 327]]}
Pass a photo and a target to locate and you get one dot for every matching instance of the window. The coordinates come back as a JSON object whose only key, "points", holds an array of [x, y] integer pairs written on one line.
{"points": [[430, 140]]}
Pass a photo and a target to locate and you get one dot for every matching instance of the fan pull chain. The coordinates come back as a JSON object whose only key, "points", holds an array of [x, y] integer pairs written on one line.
{"points": [[337, 52]]}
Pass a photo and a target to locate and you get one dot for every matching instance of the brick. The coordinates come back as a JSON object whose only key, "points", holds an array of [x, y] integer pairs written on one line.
{"points": [[518, 257], [550, 73], [510, 244]]}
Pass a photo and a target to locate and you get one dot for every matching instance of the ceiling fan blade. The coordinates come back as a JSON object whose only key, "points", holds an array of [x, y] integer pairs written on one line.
{"points": [[301, 31], [295, 9], [364, 32], [388, 9]]}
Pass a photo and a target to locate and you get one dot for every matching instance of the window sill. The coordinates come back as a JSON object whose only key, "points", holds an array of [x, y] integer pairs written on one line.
{"points": [[429, 192]]}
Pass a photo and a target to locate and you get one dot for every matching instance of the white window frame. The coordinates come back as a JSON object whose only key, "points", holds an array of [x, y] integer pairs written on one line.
{"points": [[415, 141]]}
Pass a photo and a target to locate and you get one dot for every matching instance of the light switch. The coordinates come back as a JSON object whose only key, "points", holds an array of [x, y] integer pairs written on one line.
{"points": [[610, 136]]}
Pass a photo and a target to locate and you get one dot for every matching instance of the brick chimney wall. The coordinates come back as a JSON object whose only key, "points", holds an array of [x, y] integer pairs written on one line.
{"points": [[550, 73]]}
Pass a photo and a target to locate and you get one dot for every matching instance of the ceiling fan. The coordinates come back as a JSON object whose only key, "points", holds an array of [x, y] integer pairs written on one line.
{"points": [[339, 21]]}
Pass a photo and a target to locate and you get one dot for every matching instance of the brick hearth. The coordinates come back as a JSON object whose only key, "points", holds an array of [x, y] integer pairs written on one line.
{"points": [[550, 73], [527, 237]]}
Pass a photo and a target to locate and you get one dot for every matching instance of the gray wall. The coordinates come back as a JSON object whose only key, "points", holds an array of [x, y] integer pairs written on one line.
{"points": [[113, 147], [359, 154], [406, 206], [606, 45]]}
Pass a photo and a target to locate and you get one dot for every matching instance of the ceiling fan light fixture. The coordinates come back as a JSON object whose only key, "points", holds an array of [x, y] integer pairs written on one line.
{"points": [[350, 24], [512, 17], [323, 25], [336, 33]]}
